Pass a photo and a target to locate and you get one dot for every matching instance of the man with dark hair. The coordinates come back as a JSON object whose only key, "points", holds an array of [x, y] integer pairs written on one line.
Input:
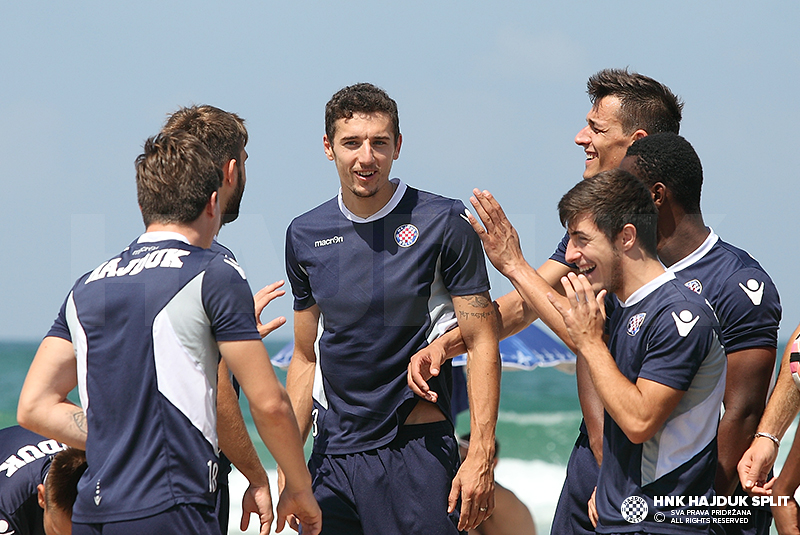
{"points": [[619, 100], [38, 483], [625, 106], [379, 271], [225, 135], [660, 378], [141, 336], [742, 294]]}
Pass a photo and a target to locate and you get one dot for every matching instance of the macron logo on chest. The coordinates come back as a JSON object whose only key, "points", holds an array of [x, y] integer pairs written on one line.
{"points": [[329, 241], [166, 258]]}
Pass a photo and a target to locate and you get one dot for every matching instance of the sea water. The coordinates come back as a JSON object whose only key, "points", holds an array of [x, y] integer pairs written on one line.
{"points": [[537, 426]]}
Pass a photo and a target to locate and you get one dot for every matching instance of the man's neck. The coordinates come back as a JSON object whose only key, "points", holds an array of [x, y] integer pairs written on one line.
{"points": [[687, 233], [636, 273], [365, 207]]}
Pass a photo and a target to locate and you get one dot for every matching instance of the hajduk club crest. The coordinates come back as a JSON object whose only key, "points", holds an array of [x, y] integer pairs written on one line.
{"points": [[635, 323], [695, 285], [406, 235]]}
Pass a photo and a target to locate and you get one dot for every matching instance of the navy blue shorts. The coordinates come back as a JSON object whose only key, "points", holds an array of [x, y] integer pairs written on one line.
{"points": [[397, 489], [177, 520], [223, 507], [572, 511]]}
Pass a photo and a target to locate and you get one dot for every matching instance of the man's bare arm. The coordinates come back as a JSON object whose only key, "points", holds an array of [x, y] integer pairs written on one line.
{"points": [[501, 242], [747, 383], [234, 440], [787, 517], [235, 443], [513, 315], [274, 418], [43, 405], [641, 408], [300, 375], [781, 409], [474, 482]]}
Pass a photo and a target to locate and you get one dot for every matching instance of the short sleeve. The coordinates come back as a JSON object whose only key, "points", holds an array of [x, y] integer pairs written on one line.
{"points": [[60, 329], [228, 301], [678, 340], [749, 311], [463, 264], [298, 277]]}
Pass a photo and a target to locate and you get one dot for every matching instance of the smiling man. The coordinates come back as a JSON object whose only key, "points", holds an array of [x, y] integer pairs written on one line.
{"points": [[626, 106], [660, 377], [377, 273], [743, 295]]}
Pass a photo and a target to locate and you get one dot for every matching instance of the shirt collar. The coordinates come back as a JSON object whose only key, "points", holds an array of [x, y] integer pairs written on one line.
{"points": [[647, 289], [698, 253], [162, 235]]}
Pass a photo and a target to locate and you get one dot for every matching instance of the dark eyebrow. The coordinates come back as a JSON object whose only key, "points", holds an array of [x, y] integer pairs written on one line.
{"points": [[576, 233]]}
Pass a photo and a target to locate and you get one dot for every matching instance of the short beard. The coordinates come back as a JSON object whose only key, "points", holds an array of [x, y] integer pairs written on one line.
{"points": [[363, 194], [231, 211], [614, 283]]}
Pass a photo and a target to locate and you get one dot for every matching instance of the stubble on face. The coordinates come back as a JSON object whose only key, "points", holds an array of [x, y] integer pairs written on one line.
{"points": [[231, 211], [363, 150], [603, 139]]}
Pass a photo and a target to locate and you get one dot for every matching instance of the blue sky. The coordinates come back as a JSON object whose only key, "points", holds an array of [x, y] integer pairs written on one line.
{"points": [[490, 96]]}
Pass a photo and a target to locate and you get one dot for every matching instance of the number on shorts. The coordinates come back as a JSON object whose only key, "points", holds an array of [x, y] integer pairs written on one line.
{"points": [[314, 429], [213, 471]]}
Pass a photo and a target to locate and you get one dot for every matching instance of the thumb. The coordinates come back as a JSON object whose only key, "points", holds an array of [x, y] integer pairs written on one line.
{"points": [[436, 364], [452, 500]]}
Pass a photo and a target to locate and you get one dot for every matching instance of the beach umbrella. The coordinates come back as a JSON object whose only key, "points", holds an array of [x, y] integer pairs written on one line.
{"points": [[531, 348], [528, 349]]}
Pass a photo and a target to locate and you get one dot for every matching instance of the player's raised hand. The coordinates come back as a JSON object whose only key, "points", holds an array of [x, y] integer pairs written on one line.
{"points": [[262, 298], [499, 237], [585, 315]]}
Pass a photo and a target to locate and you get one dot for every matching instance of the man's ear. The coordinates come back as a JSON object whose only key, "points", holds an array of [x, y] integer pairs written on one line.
{"points": [[397, 147], [229, 174], [628, 236], [212, 206], [328, 145], [639, 134], [40, 495], [659, 193]]}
